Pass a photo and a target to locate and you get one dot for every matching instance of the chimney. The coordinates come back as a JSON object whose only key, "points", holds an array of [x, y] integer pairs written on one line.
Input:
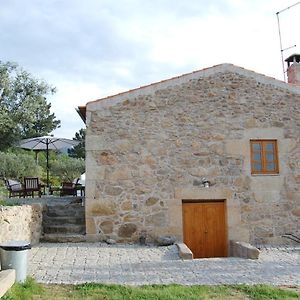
{"points": [[293, 69]]}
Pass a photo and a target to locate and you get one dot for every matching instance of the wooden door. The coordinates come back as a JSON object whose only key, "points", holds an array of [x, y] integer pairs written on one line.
{"points": [[204, 228]]}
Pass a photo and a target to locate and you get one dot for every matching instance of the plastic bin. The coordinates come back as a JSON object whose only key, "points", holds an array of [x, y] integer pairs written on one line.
{"points": [[13, 255]]}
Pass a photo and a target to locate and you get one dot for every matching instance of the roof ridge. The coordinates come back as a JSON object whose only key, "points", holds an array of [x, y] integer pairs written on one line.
{"points": [[203, 73]]}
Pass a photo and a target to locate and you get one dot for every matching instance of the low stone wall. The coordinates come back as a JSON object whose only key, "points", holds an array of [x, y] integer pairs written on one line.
{"points": [[21, 223]]}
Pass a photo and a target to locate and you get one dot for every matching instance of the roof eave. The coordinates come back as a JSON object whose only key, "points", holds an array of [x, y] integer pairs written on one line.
{"points": [[81, 110]]}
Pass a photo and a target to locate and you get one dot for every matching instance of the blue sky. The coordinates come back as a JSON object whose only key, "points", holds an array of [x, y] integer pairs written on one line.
{"points": [[95, 48]]}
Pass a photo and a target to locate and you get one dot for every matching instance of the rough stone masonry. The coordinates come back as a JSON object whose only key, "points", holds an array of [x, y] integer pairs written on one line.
{"points": [[21, 223], [149, 148]]}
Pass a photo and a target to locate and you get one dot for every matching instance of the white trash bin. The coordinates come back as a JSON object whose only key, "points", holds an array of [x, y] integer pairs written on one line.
{"points": [[13, 255]]}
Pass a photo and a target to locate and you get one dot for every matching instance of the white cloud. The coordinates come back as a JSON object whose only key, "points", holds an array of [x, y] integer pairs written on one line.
{"points": [[94, 48]]}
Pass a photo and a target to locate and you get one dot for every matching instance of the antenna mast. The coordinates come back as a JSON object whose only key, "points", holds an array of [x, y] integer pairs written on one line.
{"points": [[280, 40]]}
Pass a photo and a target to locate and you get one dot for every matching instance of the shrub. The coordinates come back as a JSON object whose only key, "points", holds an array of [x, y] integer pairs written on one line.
{"points": [[18, 165]]}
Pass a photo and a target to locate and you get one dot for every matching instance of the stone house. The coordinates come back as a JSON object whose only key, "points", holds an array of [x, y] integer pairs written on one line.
{"points": [[210, 156]]}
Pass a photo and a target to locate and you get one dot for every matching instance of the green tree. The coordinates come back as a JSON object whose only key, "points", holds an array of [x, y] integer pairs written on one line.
{"points": [[24, 110], [79, 150], [16, 166], [67, 168]]}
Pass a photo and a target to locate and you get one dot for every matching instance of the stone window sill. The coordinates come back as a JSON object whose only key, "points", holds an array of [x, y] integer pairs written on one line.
{"points": [[265, 174]]}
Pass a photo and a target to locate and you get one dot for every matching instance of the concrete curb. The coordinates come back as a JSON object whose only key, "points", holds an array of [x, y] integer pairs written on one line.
{"points": [[184, 251], [243, 250], [7, 279]]}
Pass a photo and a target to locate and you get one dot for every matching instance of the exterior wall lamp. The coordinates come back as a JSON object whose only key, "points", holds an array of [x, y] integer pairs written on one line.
{"points": [[206, 182]]}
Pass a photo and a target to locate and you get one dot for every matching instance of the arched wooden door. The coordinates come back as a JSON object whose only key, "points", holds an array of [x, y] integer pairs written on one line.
{"points": [[204, 228]]}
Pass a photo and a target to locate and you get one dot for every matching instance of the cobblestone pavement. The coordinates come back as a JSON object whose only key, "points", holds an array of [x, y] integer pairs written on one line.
{"points": [[136, 265]]}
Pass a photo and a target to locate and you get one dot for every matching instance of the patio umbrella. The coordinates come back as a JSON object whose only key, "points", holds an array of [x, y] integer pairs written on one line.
{"points": [[47, 143]]}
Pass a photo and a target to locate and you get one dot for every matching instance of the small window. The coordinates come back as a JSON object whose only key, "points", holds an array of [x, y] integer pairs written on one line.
{"points": [[264, 158]]}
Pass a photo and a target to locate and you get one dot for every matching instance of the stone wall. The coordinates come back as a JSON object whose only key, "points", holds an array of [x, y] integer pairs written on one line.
{"points": [[21, 223], [147, 151]]}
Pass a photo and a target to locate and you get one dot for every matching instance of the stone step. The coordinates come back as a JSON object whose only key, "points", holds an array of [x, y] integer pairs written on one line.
{"points": [[66, 229], [64, 214], [65, 211], [64, 223], [7, 279], [63, 220], [63, 238], [66, 206]]}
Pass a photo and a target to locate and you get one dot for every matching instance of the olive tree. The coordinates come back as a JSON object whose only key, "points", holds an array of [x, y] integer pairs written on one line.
{"points": [[24, 110]]}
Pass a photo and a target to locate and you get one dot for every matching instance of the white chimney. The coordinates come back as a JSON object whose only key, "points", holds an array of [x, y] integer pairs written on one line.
{"points": [[293, 70]]}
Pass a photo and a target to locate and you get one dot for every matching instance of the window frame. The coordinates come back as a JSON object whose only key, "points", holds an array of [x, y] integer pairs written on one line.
{"points": [[263, 161]]}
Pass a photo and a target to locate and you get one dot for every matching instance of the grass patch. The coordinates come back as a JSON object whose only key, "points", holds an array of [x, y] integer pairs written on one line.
{"points": [[6, 203], [31, 290], [151, 292], [267, 292], [3, 191], [24, 291], [2, 203]]}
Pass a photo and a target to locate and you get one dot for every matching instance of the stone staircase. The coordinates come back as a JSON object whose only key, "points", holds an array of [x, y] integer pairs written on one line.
{"points": [[64, 223]]}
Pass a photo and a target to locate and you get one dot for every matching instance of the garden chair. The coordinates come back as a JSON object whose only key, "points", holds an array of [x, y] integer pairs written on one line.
{"points": [[31, 185], [14, 187], [70, 188]]}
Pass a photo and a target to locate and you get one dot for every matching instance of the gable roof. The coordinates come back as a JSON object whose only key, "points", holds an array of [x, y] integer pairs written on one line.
{"points": [[222, 68]]}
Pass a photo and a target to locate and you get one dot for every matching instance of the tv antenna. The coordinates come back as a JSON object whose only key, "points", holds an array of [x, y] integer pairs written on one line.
{"points": [[280, 40]]}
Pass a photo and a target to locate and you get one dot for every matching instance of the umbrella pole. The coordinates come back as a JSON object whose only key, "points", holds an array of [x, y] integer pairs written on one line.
{"points": [[47, 159]]}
